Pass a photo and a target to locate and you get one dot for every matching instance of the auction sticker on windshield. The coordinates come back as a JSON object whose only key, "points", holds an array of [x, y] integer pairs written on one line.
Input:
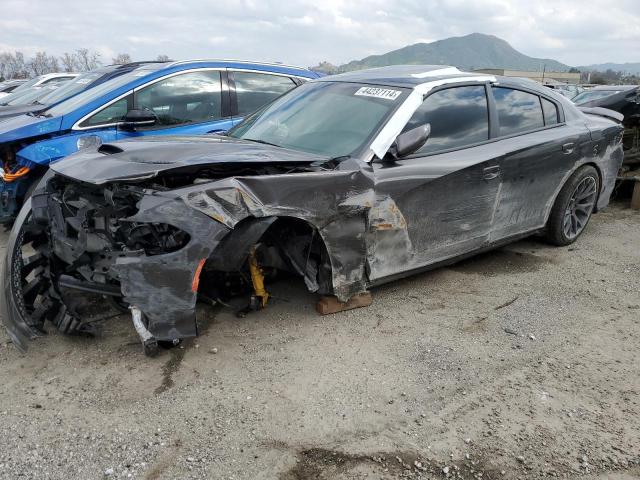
{"points": [[385, 93]]}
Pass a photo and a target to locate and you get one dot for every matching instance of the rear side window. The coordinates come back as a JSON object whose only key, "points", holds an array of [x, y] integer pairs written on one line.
{"points": [[254, 90], [458, 117], [550, 112], [518, 111]]}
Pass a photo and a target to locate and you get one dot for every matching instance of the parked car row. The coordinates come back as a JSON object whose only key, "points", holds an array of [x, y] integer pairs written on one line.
{"points": [[347, 182]]}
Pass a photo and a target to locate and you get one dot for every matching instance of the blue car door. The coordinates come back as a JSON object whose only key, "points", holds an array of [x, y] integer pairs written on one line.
{"points": [[195, 102]]}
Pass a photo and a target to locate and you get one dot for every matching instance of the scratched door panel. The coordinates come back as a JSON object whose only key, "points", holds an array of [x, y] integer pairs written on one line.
{"points": [[446, 205]]}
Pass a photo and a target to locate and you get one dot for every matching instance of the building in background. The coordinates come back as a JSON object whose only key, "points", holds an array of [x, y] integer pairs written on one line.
{"points": [[542, 77]]}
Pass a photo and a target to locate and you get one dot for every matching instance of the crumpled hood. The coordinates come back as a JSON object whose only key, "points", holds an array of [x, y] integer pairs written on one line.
{"points": [[140, 159], [26, 126]]}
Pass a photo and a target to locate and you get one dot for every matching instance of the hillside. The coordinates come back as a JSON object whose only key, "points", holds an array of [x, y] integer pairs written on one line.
{"points": [[470, 52], [632, 68]]}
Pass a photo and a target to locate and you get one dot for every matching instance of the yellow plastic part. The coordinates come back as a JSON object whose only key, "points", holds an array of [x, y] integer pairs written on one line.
{"points": [[257, 277]]}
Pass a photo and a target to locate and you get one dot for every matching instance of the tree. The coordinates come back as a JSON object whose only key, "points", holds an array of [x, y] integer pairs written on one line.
{"points": [[163, 58], [42, 63], [69, 62], [122, 59], [12, 65], [4, 65], [87, 60]]}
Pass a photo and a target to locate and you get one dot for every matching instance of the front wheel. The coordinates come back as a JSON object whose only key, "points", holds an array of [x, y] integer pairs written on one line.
{"points": [[573, 207]]}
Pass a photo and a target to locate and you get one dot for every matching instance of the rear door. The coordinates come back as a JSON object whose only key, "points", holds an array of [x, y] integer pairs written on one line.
{"points": [[537, 150], [250, 90], [437, 203]]}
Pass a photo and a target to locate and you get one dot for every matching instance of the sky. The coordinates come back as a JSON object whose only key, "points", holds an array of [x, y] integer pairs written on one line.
{"points": [[304, 32]]}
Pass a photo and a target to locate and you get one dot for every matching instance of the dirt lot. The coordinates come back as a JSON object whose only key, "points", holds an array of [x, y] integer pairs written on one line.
{"points": [[520, 363]]}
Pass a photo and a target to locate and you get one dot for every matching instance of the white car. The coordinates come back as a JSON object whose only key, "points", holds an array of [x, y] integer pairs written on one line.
{"points": [[47, 79]]}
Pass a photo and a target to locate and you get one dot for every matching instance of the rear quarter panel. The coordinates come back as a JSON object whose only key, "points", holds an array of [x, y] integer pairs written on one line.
{"points": [[607, 153]]}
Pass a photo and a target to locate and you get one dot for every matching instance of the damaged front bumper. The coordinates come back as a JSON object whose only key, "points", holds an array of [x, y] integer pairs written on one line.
{"points": [[93, 252]]}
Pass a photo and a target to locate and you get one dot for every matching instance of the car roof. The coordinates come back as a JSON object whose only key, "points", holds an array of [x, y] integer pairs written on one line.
{"points": [[408, 76], [615, 87], [246, 64], [57, 74]]}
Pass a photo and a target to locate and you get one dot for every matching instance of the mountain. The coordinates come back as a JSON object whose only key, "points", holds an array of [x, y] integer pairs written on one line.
{"points": [[470, 52], [632, 68]]}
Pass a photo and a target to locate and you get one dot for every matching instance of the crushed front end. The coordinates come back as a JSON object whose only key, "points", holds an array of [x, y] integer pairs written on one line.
{"points": [[122, 242]]}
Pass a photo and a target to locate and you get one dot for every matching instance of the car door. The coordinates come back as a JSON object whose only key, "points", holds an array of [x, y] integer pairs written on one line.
{"points": [[537, 150], [251, 90], [187, 103], [438, 203]]}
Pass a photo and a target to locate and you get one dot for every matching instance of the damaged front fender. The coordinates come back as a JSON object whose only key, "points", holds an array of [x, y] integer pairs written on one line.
{"points": [[160, 285]]}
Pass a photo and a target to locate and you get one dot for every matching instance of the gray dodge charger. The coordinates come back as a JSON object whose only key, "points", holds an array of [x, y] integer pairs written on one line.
{"points": [[346, 182]]}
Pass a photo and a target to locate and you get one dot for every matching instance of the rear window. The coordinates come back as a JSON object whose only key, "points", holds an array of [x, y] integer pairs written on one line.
{"points": [[518, 111], [550, 111]]}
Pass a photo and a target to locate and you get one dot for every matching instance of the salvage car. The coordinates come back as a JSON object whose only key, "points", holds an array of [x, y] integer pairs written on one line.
{"points": [[621, 98], [41, 80], [57, 92], [624, 99], [348, 182], [190, 97], [9, 86]]}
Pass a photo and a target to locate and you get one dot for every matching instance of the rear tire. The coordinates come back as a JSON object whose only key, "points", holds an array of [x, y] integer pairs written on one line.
{"points": [[573, 207]]}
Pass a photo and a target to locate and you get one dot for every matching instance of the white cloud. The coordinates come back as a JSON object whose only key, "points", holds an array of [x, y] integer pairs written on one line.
{"points": [[306, 31]]}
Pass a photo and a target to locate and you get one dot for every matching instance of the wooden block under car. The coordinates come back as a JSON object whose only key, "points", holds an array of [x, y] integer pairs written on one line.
{"points": [[328, 305]]}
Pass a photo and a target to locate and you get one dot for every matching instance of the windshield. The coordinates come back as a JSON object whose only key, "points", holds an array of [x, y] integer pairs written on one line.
{"points": [[591, 95], [82, 98], [69, 89], [327, 118], [22, 97], [31, 96], [27, 85]]}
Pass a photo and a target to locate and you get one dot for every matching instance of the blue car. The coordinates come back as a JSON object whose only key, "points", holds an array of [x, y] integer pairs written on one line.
{"points": [[174, 98]]}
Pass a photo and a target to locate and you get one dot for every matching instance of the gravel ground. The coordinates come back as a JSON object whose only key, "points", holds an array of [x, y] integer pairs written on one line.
{"points": [[520, 363]]}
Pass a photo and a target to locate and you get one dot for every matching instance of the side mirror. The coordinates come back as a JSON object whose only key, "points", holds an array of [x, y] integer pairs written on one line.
{"points": [[138, 118], [408, 142]]}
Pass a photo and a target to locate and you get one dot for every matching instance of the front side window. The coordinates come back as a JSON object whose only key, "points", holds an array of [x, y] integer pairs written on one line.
{"points": [[110, 115], [458, 117], [194, 97], [518, 111], [550, 112], [326, 118], [253, 90]]}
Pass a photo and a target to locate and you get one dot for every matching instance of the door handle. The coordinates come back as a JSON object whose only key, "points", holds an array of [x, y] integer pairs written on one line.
{"points": [[568, 148], [489, 173]]}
